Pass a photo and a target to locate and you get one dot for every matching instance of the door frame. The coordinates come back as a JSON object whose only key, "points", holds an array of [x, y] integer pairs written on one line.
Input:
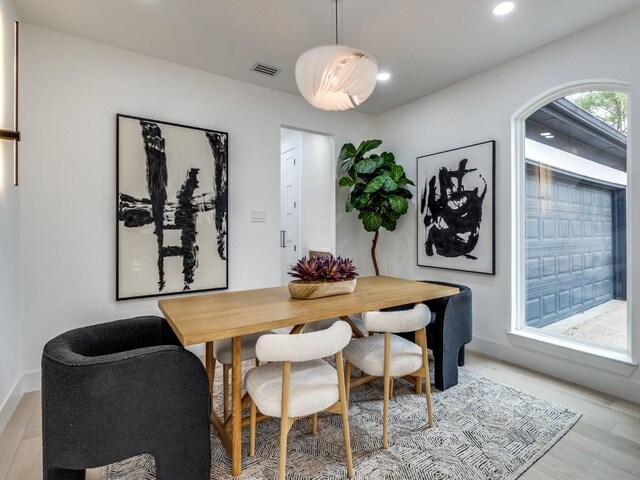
{"points": [[332, 175], [283, 274]]}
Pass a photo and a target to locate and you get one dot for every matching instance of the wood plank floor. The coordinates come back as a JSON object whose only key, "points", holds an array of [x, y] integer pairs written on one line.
{"points": [[603, 445]]}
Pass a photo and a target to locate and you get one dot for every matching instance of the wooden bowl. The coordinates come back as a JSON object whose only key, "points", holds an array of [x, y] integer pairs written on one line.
{"points": [[308, 291]]}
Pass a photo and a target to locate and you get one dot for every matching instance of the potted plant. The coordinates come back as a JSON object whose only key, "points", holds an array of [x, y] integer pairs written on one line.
{"points": [[377, 188], [322, 276]]}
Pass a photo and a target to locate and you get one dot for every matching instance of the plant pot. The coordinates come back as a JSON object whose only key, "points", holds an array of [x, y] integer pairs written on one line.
{"points": [[307, 291]]}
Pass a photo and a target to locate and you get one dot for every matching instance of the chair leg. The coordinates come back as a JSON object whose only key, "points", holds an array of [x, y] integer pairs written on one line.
{"points": [[284, 432], [344, 409], [314, 424], [285, 422], [225, 390], [385, 413], [213, 378], [419, 341], [347, 374], [54, 473], [252, 430], [461, 356], [427, 381]]}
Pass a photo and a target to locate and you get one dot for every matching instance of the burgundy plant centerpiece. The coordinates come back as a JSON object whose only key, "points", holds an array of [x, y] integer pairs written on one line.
{"points": [[322, 277]]}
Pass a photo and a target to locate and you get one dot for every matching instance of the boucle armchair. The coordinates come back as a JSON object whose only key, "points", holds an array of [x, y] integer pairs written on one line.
{"points": [[222, 354], [119, 389]]}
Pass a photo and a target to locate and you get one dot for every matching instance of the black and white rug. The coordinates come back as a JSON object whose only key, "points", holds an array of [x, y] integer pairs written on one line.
{"points": [[483, 431]]}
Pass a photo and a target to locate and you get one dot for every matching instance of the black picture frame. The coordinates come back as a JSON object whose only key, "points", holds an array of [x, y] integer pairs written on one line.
{"points": [[151, 156], [460, 245]]}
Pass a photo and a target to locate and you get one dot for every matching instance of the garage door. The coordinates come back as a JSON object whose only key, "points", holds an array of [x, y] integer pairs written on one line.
{"points": [[569, 246]]}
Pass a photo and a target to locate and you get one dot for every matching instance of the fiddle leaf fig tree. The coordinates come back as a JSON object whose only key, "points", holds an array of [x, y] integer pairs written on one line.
{"points": [[377, 188]]}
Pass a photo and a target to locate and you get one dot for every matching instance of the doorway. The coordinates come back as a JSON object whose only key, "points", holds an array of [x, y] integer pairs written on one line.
{"points": [[307, 196]]}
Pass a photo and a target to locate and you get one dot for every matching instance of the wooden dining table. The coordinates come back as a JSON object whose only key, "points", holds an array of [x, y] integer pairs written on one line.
{"points": [[207, 318]]}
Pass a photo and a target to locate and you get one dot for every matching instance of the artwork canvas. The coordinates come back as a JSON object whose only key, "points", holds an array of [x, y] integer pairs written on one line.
{"points": [[172, 208], [456, 209]]}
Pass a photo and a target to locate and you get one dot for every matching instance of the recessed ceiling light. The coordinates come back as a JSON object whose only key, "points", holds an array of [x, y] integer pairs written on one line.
{"points": [[545, 134], [504, 8], [384, 76], [549, 137]]}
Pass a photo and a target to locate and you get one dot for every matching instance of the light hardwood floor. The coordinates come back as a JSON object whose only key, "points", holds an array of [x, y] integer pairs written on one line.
{"points": [[603, 445]]}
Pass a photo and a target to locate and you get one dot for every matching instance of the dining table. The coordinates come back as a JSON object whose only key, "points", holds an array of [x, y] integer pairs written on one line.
{"points": [[207, 318]]}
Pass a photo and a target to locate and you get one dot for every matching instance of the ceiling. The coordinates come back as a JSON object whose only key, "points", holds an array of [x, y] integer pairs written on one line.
{"points": [[426, 45]]}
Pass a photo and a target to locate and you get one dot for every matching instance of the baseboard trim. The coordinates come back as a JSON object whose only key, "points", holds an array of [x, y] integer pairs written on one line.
{"points": [[10, 403], [31, 382], [608, 383]]}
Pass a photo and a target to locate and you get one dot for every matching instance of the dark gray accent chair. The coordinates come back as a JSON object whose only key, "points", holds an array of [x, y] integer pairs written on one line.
{"points": [[119, 389], [448, 333]]}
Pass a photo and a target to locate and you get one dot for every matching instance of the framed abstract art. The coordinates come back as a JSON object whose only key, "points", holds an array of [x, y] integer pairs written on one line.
{"points": [[171, 208], [456, 209]]}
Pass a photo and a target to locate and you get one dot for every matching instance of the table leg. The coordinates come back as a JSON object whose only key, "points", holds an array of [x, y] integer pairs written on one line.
{"points": [[236, 406], [297, 329], [210, 364], [356, 331]]}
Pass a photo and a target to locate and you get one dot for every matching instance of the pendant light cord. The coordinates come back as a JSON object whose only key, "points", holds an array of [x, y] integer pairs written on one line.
{"points": [[336, 22]]}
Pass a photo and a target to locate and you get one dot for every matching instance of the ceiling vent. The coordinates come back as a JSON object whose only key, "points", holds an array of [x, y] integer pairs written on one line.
{"points": [[265, 69]]}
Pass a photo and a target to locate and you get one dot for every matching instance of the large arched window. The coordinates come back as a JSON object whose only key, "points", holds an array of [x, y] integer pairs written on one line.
{"points": [[571, 222]]}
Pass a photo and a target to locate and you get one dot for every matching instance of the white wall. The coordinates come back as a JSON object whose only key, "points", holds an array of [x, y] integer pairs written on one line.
{"points": [[481, 109], [71, 91], [10, 315]]}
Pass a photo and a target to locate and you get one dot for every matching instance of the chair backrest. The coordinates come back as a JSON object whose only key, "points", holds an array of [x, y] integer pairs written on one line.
{"points": [[303, 347], [86, 345], [398, 321]]}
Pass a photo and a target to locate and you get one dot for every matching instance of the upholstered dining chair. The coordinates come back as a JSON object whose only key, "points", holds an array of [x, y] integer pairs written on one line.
{"points": [[324, 324], [118, 389], [298, 383], [390, 356], [449, 331], [222, 355]]}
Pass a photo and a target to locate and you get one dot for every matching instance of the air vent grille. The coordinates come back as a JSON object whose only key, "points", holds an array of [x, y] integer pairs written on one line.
{"points": [[265, 69]]}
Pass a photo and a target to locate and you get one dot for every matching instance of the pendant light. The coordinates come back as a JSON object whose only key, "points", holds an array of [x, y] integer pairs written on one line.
{"points": [[336, 77]]}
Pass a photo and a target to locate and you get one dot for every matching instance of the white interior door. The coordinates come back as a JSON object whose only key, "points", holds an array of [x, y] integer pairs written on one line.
{"points": [[289, 233]]}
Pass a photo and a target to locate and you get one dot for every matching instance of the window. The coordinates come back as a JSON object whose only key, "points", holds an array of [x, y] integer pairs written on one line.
{"points": [[573, 208]]}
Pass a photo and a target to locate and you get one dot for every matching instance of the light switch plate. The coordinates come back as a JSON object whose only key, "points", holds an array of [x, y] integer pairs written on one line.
{"points": [[259, 216]]}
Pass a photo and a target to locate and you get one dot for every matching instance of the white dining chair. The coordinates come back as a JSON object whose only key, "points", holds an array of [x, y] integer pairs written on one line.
{"points": [[356, 319], [298, 383], [391, 356], [222, 354]]}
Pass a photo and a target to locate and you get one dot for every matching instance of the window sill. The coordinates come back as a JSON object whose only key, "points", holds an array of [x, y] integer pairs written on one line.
{"points": [[602, 359]]}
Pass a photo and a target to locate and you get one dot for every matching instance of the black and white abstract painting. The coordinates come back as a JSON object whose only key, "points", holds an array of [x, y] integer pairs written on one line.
{"points": [[172, 207], [456, 209]]}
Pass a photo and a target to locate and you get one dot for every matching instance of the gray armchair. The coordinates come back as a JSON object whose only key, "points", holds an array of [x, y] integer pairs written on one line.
{"points": [[447, 334], [119, 389]]}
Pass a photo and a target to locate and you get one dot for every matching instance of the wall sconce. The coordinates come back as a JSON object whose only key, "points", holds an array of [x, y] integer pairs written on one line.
{"points": [[14, 135]]}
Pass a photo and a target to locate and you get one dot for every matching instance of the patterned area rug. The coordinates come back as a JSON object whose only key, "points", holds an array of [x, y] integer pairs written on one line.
{"points": [[483, 431]]}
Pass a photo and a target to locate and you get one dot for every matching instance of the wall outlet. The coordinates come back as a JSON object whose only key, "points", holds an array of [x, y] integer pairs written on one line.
{"points": [[259, 216]]}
